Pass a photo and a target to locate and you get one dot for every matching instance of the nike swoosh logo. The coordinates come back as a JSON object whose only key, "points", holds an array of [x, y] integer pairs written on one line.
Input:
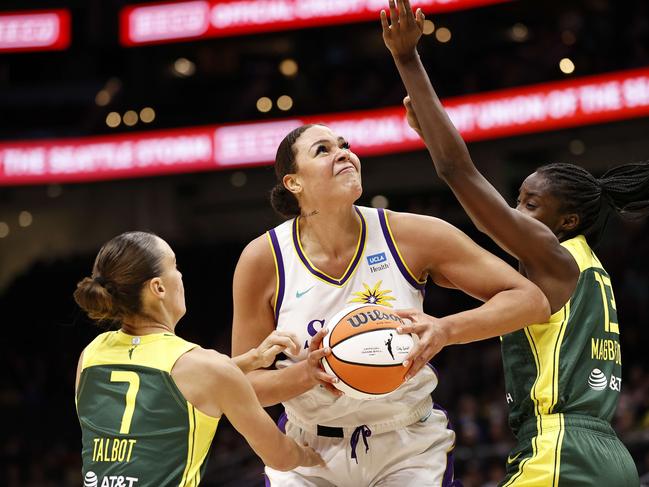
{"points": [[299, 294], [510, 459]]}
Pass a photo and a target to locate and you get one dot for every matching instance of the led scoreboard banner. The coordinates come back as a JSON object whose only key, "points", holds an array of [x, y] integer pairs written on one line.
{"points": [[536, 108], [199, 19], [42, 30]]}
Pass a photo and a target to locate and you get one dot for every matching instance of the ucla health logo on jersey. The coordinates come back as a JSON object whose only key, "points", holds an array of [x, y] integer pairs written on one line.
{"points": [[373, 295], [377, 262]]}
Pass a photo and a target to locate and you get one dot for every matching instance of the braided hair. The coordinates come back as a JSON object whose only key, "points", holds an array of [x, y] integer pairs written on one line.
{"points": [[624, 189]]}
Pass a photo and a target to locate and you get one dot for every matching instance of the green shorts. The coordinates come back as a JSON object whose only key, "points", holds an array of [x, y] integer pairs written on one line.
{"points": [[569, 450]]}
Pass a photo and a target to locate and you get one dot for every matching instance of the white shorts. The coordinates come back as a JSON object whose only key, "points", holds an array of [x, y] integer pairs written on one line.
{"points": [[418, 455]]}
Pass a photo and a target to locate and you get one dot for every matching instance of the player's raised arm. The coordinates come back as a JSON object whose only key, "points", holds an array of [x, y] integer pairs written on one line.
{"points": [[511, 229], [253, 321], [449, 257]]}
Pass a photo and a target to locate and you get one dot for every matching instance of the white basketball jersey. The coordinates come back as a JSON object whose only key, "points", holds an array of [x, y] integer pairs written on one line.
{"points": [[305, 297]]}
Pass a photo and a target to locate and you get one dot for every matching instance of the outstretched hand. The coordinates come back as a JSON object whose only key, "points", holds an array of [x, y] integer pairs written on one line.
{"points": [[401, 34], [432, 338]]}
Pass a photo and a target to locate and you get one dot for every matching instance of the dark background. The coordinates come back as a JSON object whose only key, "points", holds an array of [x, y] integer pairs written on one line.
{"points": [[209, 217]]}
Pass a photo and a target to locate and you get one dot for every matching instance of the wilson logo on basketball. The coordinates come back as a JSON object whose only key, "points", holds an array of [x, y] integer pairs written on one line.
{"points": [[367, 352], [361, 318]]}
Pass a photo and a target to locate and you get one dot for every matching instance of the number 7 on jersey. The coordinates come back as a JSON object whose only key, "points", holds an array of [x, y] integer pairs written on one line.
{"points": [[133, 386]]}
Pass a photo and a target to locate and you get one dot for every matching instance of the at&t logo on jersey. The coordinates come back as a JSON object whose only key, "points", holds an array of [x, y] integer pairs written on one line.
{"points": [[598, 381], [377, 262], [91, 480]]}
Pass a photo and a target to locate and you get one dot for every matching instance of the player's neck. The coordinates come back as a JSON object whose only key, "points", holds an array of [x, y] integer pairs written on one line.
{"points": [[145, 325], [330, 231]]}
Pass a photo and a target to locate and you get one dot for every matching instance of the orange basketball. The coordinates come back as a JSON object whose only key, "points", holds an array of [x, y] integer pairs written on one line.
{"points": [[366, 351]]}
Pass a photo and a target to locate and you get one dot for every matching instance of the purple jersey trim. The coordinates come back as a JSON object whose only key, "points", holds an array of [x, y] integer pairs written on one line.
{"points": [[316, 272], [280, 272], [393, 250], [449, 473]]}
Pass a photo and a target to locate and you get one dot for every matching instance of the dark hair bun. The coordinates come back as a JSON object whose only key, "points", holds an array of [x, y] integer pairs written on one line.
{"points": [[95, 300], [284, 202]]}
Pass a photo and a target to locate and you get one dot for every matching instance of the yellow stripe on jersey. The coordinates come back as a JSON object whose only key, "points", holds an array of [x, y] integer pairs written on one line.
{"points": [[545, 344], [199, 438], [544, 466], [118, 348], [184, 481], [272, 249], [521, 466], [403, 261]]}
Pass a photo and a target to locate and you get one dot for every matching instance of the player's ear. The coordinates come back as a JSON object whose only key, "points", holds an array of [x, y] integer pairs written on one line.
{"points": [[156, 287], [569, 222], [292, 183]]}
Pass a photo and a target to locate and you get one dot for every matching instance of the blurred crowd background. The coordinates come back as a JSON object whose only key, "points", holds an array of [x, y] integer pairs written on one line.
{"points": [[209, 217]]}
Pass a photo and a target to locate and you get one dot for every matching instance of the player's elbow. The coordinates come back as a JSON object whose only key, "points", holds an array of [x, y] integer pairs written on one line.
{"points": [[446, 169]]}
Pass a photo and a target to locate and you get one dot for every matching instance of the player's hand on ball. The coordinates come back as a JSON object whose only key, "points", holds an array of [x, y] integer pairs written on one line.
{"points": [[311, 458], [314, 364], [402, 32], [432, 338], [411, 116], [276, 342]]}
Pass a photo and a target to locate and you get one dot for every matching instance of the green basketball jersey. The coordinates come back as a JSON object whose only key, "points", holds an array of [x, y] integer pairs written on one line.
{"points": [[137, 428], [572, 364]]}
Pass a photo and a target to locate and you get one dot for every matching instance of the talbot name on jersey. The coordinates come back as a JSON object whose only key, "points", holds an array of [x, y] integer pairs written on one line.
{"points": [[609, 350], [112, 449], [359, 319]]}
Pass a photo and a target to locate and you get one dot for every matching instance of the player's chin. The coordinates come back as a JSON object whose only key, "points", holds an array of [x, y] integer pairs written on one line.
{"points": [[347, 191], [355, 186]]}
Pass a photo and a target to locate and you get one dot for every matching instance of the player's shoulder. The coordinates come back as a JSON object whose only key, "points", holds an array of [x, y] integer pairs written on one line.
{"points": [[205, 365], [411, 226], [258, 251], [257, 262]]}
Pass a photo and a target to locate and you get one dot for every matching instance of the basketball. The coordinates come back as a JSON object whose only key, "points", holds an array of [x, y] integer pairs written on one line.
{"points": [[366, 351]]}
